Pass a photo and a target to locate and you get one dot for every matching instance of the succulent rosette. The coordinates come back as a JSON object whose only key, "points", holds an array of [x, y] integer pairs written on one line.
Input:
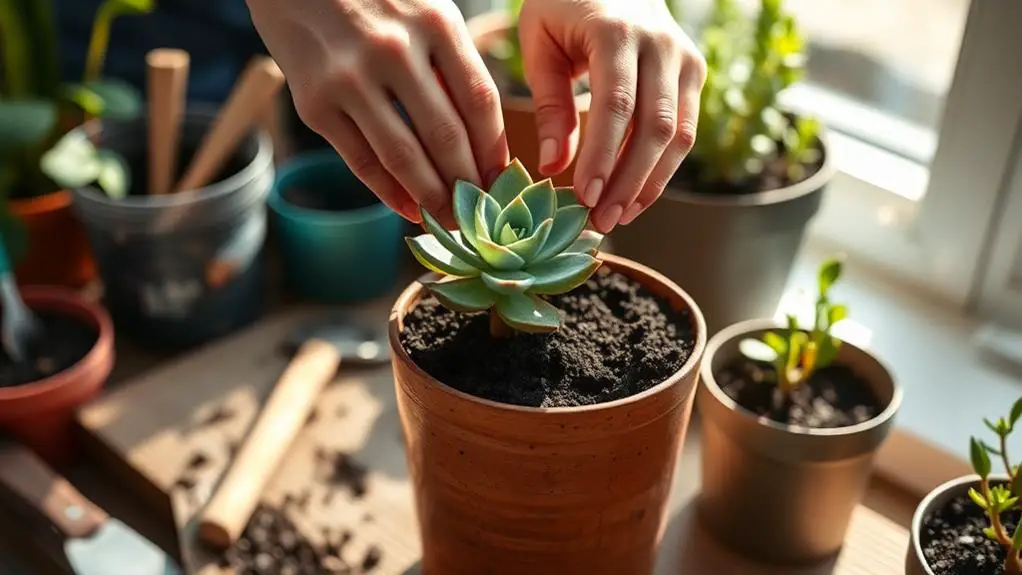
{"points": [[514, 244]]}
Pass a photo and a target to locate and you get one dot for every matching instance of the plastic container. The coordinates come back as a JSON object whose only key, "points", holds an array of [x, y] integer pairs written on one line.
{"points": [[183, 268], [338, 242]]}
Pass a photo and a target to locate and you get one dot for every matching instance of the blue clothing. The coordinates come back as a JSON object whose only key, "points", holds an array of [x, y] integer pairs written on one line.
{"points": [[217, 33]]}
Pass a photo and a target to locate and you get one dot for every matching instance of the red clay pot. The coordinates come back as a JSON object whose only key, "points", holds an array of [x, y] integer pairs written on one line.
{"points": [[41, 414], [58, 247], [509, 490]]}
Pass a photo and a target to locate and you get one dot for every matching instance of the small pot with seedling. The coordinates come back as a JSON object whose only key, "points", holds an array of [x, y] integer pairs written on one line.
{"points": [[972, 524], [544, 388], [791, 420], [734, 216]]}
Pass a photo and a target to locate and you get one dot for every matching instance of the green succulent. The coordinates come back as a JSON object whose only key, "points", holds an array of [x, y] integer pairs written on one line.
{"points": [[995, 498], [514, 244]]}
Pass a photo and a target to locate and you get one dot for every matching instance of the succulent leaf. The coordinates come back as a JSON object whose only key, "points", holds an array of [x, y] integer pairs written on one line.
{"points": [[528, 313], [587, 242], [463, 294], [528, 247], [541, 200], [434, 256], [507, 235], [466, 198], [486, 216], [510, 183], [499, 257], [566, 197], [562, 273], [508, 282], [568, 224], [447, 240], [516, 215]]}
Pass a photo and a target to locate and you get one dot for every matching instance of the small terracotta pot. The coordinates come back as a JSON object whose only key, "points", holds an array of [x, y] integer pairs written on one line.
{"points": [[775, 493], [505, 489], [41, 414], [519, 114], [58, 247], [915, 561]]}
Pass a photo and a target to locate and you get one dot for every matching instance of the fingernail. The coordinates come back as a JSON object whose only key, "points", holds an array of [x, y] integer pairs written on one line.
{"points": [[411, 212], [631, 213], [593, 191], [609, 218], [547, 152]]}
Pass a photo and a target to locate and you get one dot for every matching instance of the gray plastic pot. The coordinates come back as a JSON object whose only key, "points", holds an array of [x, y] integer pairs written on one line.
{"points": [[183, 268], [780, 494], [733, 253]]}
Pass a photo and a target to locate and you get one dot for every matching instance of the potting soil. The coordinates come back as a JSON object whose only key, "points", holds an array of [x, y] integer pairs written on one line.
{"points": [[953, 542], [64, 341]]}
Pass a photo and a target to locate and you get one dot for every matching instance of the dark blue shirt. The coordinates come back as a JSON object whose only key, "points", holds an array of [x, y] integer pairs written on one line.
{"points": [[217, 33]]}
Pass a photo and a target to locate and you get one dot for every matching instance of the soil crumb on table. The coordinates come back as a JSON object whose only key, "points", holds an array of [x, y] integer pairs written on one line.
{"points": [[954, 544], [833, 397], [338, 469], [617, 339], [64, 342]]}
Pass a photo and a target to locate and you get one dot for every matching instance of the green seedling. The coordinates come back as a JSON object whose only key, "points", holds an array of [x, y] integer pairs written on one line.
{"points": [[75, 162], [997, 499], [509, 49], [797, 353], [518, 242]]}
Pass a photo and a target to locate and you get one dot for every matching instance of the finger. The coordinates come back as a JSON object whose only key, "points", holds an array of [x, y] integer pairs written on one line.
{"points": [[654, 127], [344, 136], [474, 94], [549, 73], [612, 75], [691, 85]]}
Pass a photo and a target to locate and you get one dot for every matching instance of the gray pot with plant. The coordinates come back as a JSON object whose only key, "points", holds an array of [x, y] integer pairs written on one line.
{"points": [[791, 421], [971, 524], [732, 219]]}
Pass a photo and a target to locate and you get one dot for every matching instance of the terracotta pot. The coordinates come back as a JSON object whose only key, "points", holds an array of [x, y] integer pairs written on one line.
{"points": [[505, 489], [519, 114], [41, 414], [915, 561], [58, 248], [776, 493]]}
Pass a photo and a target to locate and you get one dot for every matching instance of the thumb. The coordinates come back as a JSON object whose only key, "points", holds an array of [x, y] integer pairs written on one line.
{"points": [[549, 74]]}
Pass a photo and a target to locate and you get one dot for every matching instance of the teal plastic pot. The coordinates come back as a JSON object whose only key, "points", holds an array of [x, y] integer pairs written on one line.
{"points": [[338, 242]]}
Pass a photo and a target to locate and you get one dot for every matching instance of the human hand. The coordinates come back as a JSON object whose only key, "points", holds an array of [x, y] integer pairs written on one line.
{"points": [[348, 61], [645, 78]]}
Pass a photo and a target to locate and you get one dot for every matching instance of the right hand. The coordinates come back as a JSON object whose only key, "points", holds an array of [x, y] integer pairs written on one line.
{"points": [[348, 61]]}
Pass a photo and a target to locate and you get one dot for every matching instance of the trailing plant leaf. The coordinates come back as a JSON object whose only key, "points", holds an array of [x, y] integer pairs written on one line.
{"points": [[74, 162], [25, 123]]}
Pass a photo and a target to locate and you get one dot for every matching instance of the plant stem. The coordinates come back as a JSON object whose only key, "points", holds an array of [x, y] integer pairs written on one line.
{"points": [[995, 519], [1012, 563], [498, 328], [1006, 460]]}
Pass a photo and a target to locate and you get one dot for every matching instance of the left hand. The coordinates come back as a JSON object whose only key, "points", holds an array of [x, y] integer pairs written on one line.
{"points": [[645, 77]]}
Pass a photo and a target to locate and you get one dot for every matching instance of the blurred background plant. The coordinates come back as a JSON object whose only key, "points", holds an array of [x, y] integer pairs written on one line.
{"points": [[37, 109]]}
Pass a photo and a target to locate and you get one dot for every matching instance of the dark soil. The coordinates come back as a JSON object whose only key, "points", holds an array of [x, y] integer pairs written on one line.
{"points": [[833, 397], [64, 342], [954, 544], [138, 164], [334, 199], [690, 176], [338, 469], [617, 340]]}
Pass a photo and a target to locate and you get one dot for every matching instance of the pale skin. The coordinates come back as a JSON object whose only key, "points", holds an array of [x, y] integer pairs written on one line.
{"points": [[347, 61]]}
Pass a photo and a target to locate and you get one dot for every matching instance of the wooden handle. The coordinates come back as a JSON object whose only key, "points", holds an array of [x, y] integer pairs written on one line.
{"points": [[166, 85], [39, 489], [259, 83], [228, 511]]}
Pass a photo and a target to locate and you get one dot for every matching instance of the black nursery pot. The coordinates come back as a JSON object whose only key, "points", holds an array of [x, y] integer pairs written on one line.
{"points": [[183, 268]]}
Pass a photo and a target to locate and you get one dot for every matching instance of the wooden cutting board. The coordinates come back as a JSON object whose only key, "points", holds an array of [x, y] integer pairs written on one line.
{"points": [[152, 429]]}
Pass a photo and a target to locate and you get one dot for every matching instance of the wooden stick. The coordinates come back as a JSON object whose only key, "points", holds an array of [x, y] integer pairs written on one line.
{"points": [[166, 86], [258, 84]]}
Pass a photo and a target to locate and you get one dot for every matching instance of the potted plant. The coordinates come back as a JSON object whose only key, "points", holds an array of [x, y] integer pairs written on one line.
{"points": [[735, 213], [47, 243], [791, 418], [544, 388], [495, 35], [972, 524]]}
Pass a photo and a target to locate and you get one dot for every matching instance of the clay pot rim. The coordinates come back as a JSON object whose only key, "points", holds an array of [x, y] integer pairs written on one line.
{"points": [[742, 329], [49, 297], [924, 507], [43, 203], [411, 295]]}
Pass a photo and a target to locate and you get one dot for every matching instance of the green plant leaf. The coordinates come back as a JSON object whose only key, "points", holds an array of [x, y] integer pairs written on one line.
{"points": [[1007, 503], [24, 123], [756, 350], [827, 349], [72, 162], [777, 342], [499, 257], [516, 215], [528, 247], [1016, 484], [466, 197], [463, 294], [450, 241], [978, 499], [989, 532], [121, 100], [836, 313], [541, 200], [991, 425], [587, 242], [114, 175], [487, 211], [990, 449], [830, 271], [508, 282], [562, 273], [1016, 538], [980, 458], [1016, 412], [510, 183], [507, 235], [84, 98], [528, 313], [434, 256], [568, 224], [566, 197]]}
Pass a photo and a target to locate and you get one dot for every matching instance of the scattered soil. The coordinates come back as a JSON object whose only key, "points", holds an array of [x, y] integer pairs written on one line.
{"points": [[336, 198], [617, 340], [954, 544], [64, 341], [197, 462], [690, 176], [833, 397], [340, 470], [219, 414]]}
